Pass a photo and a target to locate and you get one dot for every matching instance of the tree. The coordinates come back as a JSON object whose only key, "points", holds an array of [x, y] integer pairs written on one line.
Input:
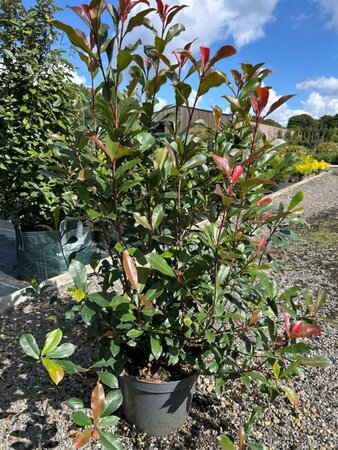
{"points": [[37, 100], [301, 120]]}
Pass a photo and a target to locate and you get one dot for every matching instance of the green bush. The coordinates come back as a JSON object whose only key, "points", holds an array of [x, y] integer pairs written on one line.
{"points": [[37, 100]]}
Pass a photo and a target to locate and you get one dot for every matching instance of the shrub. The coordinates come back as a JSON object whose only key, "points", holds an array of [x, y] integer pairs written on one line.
{"points": [[190, 287], [309, 165]]}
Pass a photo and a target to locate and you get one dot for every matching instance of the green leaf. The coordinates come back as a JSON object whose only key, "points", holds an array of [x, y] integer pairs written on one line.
{"points": [[108, 421], [173, 31], [70, 367], [256, 446], [160, 264], [316, 361], [63, 351], [156, 347], [81, 419], [108, 379], [29, 346], [55, 370], [142, 220], [99, 299], [134, 334], [124, 58], [112, 402], [226, 443], [211, 80], [87, 314], [74, 403], [74, 38], [196, 160], [254, 416], [157, 216], [297, 198], [110, 441], [52, 341], [276, 369], [78, 272]]}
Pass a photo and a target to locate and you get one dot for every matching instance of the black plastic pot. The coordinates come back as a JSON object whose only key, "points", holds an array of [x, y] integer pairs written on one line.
{"points": [[157, 408], [45, 254]]}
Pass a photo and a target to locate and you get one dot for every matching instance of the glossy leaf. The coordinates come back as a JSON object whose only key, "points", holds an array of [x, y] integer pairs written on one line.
{"points": [[74, 403], [157, 216], [74, 38], [223, 52], [108, 379], [130, 269], [30, 346], [78, 272], [97, 402], [160, 264], [52, 341], [110, 441], [194, 161], [296, 199], [156, 346], [82, 438], [142, 220], [62, 351], [211, 80], [317, 361], [291, 396], [226, 443], [55, 371], [81, 419], [109, 421], [112, 402]]}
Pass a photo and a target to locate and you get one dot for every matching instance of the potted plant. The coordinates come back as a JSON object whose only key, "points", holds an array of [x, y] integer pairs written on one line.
{"points": [[191, 287], [38, 101]]}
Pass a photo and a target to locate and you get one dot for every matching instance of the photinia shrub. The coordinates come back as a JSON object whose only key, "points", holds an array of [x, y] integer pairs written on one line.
{"points": [[195, 239]]}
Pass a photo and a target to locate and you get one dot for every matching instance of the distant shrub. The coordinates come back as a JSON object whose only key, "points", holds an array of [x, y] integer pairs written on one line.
{"points": [[329, 157], [326, 147]]}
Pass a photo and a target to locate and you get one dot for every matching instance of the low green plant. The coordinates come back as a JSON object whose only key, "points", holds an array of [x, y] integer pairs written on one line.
{"points": [[190, 287]]}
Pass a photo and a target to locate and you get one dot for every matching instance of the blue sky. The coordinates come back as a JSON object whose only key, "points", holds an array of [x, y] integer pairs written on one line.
{"points": [[296, 39]]}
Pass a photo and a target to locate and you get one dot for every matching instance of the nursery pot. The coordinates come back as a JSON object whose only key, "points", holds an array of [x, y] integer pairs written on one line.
{"points": [[45, 254], [157, 408]]}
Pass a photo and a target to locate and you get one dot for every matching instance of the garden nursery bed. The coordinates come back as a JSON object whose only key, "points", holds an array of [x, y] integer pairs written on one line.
{"points": [[32, 415]]}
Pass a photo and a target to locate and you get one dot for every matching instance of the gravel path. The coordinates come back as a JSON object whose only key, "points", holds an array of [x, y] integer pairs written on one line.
{"points": [[32, 415]]}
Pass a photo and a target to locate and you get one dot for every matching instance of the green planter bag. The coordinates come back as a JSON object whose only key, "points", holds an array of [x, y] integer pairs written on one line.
{"points": [[45, 254]]}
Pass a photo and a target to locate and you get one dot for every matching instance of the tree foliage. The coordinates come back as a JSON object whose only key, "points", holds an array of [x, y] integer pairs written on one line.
{"points": [[37, 100]]}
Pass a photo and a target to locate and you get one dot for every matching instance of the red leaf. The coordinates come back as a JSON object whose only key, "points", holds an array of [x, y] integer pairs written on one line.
{"points": [[130, 269], [205, 55], [264, 201], [237, 172], [223, 52], [286, 322], [80, 12], [262, 243], [222, 164], [254, 103], [300, 330], [95, 435], [82, 438], [278, 103], [97, 402], [263, 97]]}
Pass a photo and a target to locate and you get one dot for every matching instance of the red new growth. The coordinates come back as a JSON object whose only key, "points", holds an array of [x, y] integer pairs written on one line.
{"points": [[259, 101], [237, 172], [222, 164], [205, 55], [301, 330]]}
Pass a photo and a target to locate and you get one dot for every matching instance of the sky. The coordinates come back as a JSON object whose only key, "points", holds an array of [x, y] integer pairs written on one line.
{"points": [[296, 39]]}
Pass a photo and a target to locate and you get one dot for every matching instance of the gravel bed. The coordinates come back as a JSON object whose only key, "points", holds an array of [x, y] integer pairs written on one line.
{"points": [[32, 415]]}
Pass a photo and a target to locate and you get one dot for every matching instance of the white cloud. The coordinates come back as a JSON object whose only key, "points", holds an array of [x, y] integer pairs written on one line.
{"points": [[192, 97], [324, 84], [161, 103], [331, 8], [78, 79], [217, 20], [316, 105]]}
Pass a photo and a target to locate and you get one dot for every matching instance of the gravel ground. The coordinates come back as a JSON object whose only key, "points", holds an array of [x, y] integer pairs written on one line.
{"points": [[32, 415]]}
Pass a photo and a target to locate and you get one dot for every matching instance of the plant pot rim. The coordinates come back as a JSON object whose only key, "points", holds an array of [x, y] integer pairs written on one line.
{"points": [[135, 379]]}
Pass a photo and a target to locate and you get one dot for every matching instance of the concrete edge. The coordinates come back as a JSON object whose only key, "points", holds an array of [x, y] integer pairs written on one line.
{"points": [[300, 183], [18, 297]]}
